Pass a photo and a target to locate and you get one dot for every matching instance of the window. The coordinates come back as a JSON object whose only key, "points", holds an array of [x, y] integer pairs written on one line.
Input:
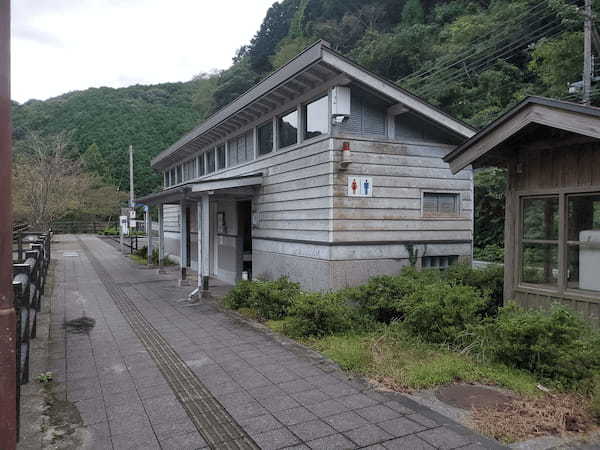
{"points": [[367, 115], [201, 165], [221, 157], [265, 138], [172, 180], [179, 174], [440, 204], [583, 242], [165, 178], [232, 157], [539, 240], [189, 170], [316, 120], [439, 262], [288, 129], [210, 161]]}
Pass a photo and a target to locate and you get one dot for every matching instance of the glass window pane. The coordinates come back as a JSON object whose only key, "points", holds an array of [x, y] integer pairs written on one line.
{"points": [[540, 218], [201, 165], [173, 181], [288, 129], [265, 139], [210, 161], [179, 175], [232, 158], [249, 146], [539, 264], [316, 118], [221, 157], [583, 227]]}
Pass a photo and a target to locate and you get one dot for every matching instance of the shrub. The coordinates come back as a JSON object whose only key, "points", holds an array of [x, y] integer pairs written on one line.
{"points": [[143, 253], [491, 253], [270, 299], [110, 231], [314, 314], [442, 312], [556, 345], [381, 298], [240, 296], [489, 281]]}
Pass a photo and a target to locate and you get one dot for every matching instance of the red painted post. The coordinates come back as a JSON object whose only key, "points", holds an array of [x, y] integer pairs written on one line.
{"points": [[8, 367]]}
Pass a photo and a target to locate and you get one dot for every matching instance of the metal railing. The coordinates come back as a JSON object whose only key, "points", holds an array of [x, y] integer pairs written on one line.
{"points": [[77, 227], [29, 280]]}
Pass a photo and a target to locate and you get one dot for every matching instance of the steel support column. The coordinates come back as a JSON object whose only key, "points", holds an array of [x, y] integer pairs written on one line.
{"points": [[161, 237], [205, 249], [148, 224], [8, 368], [182, 241]]}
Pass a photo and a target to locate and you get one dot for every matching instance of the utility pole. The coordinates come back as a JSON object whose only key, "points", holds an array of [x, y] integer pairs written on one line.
{"points": [[8, 320], [131, 199], [587, 52]]}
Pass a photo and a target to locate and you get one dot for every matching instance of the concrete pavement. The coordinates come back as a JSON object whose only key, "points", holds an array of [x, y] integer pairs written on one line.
{"points": [[150, 372]]}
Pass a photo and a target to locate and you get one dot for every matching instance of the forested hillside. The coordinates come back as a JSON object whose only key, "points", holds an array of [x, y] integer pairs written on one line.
{"points": [[472, 58]]}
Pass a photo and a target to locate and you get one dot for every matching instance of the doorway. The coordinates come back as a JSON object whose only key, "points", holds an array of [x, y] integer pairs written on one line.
{"points": [[244, 213]]}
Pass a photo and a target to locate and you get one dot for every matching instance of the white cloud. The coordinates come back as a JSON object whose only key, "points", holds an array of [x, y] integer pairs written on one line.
{"points": [[64, 45]]}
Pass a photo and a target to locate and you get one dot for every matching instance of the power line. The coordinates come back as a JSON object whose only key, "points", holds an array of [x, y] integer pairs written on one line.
{"points": [[507, 49], [548, 30], [423, 73]]}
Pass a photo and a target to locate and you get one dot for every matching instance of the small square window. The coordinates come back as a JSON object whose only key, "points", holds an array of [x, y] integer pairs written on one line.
{"points": [[440, 204], [316, 115], [201, 165], [210, 161], [439, 262], [288, 129], [265, 138], [221, 157]]}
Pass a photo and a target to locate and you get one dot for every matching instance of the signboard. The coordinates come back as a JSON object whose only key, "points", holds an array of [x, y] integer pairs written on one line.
{"points": [[132, 213], [359, 186], [133, 224], [123, 221]]}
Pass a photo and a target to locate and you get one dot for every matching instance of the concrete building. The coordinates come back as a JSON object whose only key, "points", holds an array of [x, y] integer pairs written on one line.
{"points": [[323, 172], [551, 150]]}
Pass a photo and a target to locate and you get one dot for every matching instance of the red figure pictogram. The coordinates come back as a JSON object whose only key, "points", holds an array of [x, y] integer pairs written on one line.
{"points": [[354, 186]]}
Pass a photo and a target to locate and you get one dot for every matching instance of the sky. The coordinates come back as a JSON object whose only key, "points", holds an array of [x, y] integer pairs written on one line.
{"points": [[58, 46]]}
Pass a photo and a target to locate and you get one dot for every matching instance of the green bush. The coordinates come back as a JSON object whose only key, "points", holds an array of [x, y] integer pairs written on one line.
{"points": [[489, 281], [110, 231], [270, 299], [143, 253], [381, 298], [442, 312], [314, 314], [556, 345], [491, 253]]}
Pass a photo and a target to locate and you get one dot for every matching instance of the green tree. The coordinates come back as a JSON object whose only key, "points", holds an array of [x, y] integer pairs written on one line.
{"points": [[558, 61], [490, 187], [413, 13]]}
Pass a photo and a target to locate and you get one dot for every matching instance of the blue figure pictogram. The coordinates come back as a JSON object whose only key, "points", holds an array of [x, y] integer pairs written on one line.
{"points": [[366, 186]]}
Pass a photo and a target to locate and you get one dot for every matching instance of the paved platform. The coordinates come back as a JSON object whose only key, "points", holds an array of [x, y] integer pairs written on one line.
{"points": [[154, 373]]}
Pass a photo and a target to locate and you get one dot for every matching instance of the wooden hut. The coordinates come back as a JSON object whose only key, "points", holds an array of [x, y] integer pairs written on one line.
{"points": [[551, 151]]}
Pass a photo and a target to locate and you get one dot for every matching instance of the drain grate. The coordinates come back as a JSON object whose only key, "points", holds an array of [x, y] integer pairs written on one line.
{"points": [[211, 419]]}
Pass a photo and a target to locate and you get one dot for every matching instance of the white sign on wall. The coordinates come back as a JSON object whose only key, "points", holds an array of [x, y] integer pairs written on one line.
{"points": [[359, 186], [123, 221]]}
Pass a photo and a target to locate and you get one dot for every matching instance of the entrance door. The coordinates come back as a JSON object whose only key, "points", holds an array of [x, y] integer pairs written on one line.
{"points": [[244, 210]]}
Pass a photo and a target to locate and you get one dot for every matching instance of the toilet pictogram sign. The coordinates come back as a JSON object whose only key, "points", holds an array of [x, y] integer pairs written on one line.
{"points": [[359, 186]]}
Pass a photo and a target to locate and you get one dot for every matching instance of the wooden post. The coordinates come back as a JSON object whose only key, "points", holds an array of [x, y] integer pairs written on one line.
{"points": [[182, 242], [8, 321], [205, 242], [148, 219], [161, 237]]}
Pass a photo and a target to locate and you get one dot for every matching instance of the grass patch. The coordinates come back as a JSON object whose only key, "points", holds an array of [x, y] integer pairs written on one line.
{"points": [[137, 258], [400, 362]]}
